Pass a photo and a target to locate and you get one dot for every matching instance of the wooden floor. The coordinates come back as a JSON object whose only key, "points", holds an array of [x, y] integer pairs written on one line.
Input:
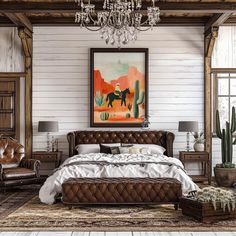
{"points": [[118, 234]]}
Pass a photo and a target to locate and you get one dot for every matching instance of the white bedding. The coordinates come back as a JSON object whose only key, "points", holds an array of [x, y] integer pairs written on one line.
{"points": [[122, 165]]}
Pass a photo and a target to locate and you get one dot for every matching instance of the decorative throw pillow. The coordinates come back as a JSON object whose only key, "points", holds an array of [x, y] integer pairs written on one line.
{"points": [[134, 150], [153, 148], [115, 150], [107, 148]]}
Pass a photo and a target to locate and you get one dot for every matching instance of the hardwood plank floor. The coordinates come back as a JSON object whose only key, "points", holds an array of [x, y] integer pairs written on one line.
{"points": [[55, 234], [19, 233], [117, 233]]}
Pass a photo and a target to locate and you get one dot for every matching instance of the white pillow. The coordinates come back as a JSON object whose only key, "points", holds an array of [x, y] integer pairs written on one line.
{"points": [[92, 148], [134, 150], [153, 148]]}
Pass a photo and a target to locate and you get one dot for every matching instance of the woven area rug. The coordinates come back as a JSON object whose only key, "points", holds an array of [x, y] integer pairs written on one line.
{"points": [[39, 217], [10, 201]]}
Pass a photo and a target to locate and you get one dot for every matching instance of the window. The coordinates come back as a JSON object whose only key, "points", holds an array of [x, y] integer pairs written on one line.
{"points": [[224, 85]]}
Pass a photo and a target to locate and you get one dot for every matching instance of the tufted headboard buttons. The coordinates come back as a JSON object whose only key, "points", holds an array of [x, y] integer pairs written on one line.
{"points": [[11, 152], [162, 138]]}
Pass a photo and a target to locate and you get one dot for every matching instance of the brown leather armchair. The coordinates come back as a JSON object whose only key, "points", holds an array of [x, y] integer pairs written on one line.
{"points": [[14, 168]]}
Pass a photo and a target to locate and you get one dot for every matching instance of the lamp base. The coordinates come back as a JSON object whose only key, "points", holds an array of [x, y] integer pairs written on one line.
{"points": [[188, 138], [48, 142]]}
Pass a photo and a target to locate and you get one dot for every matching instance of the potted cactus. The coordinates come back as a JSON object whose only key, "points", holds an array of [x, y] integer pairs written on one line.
{"points": [[225, 173]]}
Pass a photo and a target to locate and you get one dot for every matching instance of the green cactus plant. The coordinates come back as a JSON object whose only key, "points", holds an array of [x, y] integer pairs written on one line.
{"points": [[99, 99], [138, 98], [227, 140], [127, 115], [104, 116]]}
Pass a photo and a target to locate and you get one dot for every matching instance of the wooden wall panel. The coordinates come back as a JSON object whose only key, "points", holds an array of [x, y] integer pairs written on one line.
{"points": [[11, 54], [61, 78]]}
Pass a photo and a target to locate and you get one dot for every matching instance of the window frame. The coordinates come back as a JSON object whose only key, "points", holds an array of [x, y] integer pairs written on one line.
{"points": [[215, 95]]}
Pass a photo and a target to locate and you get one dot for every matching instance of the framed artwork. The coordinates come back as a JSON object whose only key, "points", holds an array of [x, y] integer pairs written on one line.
{"points": [[119, 87]]}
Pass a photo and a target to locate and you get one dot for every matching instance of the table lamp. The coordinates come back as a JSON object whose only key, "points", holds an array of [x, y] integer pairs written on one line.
{"points": [[188, 126], [48, 127]]}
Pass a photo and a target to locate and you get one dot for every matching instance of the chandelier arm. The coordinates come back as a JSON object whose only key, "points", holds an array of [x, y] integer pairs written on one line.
{"points": [[94, 30], [146, 29], [144, 23], [90, 29], [108, 20], [91, 18]]}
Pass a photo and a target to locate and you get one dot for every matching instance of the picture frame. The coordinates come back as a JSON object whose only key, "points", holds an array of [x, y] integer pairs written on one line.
{"points": [[118, 87]]}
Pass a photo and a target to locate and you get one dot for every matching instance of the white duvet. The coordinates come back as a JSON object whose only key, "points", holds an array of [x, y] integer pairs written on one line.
{"points": [[96, 165]]}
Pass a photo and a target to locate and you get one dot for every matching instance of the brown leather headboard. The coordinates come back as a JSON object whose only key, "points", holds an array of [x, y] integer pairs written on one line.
{"points": [[163, 138]]}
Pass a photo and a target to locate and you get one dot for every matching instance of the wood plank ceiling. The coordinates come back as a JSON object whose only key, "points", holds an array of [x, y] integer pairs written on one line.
{"points": [[173, 12]]}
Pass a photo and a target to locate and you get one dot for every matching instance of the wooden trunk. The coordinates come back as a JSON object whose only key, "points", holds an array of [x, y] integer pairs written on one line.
{"points": [[205, 212]]}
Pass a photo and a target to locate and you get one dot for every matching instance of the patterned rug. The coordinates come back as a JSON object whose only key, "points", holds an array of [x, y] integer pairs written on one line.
{"points": [[34, 216], [11, 200]]}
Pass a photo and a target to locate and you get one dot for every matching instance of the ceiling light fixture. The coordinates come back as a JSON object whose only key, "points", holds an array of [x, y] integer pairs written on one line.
{"points": [[119, 21]]}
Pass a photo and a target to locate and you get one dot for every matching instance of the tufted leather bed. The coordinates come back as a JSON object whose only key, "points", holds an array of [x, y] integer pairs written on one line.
{"points": [[162, 138], [121, 190]]}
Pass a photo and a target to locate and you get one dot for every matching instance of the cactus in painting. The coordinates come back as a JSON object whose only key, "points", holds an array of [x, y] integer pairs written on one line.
{"points": [[104, 116], [138, 98], [127, 115], [99, 99], [226, 136]]}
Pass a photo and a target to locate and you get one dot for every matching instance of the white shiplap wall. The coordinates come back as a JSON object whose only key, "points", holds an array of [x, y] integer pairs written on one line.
{"points": [[61, 78], [11, 54]]}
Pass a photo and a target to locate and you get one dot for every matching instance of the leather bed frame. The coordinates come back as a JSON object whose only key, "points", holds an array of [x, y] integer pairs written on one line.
{"points": [[121, 190], [162, 138]]}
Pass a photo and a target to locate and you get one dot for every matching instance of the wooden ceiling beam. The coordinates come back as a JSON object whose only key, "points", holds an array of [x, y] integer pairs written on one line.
{"points": [[216, 20], [70, 7], [26, 38], [20, 20], [5, 22], [210, 39], [230, 21], [165, 21]]}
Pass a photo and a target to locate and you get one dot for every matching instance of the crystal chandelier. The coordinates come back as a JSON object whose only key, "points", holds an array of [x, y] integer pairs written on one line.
{"points": [[120, 20]]}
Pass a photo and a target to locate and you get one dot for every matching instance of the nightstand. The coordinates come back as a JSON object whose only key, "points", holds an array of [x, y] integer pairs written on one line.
{"points": [[198, 157], [49, 161]]}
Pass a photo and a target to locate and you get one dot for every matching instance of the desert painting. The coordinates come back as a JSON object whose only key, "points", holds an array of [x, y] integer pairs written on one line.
{"points": [[119, 87]]}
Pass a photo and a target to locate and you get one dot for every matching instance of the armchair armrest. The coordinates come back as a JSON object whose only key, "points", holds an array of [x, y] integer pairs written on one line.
{"points": [[31, 164]]}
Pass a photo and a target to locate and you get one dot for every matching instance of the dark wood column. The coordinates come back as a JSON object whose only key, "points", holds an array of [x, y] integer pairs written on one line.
{"points": [[209, 42], [27, 41]]}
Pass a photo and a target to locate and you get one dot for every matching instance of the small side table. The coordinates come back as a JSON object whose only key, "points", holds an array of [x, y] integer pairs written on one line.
{"points": [[46, 159], [200, 157]]}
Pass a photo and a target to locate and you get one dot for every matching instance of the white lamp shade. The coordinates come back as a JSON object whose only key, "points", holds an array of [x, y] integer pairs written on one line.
{"points": [[188, 126], [48, 126]]}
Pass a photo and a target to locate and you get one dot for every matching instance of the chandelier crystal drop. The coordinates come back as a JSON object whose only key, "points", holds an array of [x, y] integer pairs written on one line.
{"points": [[119, 21]]}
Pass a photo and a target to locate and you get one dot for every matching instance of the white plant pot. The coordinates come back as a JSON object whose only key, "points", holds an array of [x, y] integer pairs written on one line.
{"points": [[198, 147]]}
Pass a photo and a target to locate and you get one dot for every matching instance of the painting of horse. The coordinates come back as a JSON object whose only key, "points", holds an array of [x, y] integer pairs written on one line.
{"points": [[112, 96], [119, 85]]}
